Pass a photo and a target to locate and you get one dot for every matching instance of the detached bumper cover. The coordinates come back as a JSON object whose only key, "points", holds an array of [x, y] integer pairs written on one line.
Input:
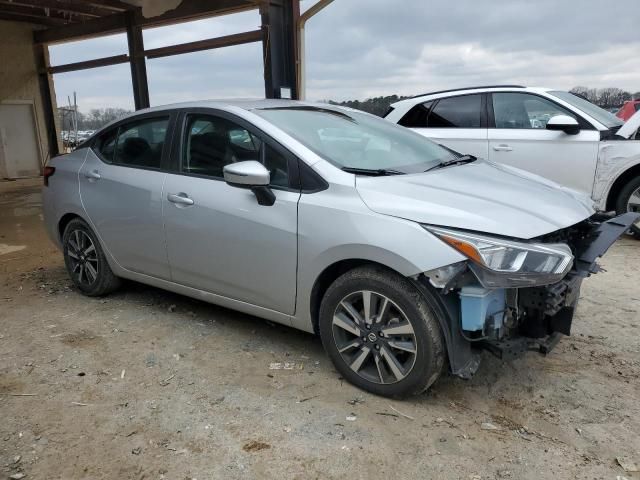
{"points": [[605, 236]]}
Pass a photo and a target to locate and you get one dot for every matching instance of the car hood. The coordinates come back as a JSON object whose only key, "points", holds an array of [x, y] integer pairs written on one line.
{"points": [[479, 196], [630, 126]]}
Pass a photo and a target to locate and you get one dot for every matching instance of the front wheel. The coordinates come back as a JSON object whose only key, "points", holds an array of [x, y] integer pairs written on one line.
{"points": [[85, 260], [380, 332], [629, 201]]}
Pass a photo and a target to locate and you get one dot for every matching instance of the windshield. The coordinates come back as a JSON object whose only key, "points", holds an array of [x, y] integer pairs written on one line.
{"points": [[351, 139], [608, 119]]}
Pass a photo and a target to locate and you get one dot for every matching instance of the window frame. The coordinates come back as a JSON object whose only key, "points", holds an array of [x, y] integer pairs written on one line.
{"points": [[584, 124], [167, 148], [178, 151]]}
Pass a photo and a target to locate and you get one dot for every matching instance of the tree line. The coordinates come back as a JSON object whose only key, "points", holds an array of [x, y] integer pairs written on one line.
{"points": [[95, 119], [608, 98]]}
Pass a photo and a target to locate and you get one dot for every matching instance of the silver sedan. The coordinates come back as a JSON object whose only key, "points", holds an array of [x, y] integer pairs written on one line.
{"points": [[404, 256]]}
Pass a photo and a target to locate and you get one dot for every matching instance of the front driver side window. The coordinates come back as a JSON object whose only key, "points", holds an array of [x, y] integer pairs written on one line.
{"points": [[524, 111], [213, 142]]}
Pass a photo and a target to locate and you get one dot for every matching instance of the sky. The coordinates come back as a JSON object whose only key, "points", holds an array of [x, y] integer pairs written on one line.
{"points": [[357, 49]]}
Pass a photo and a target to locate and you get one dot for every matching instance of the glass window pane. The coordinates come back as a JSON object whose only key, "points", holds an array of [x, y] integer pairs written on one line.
{"points": [[357, 140], [278, 167], [524, 111], [140, 143], [105, 146], [457, 112], [213, 142], [417, 116]]}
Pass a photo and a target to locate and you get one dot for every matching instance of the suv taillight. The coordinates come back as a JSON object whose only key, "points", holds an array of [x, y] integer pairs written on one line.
{"points": [[46, 173]]}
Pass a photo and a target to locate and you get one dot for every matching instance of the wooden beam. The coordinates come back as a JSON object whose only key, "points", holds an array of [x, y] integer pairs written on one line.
{"points": [[60, 6], [113, 5], [31, 18], [188, 10], [98, 62], [138, 52], [41, 12], [137, 61], [45, 82], [209, 44], [278, 19], [79, 31]]}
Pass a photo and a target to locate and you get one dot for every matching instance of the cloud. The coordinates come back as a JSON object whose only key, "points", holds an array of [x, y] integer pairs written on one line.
{"points": [[363, 48]]}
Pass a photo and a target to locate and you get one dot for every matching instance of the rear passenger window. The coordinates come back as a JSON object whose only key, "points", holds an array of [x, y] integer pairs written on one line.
{"points": [[457, 112], [140, 143]]}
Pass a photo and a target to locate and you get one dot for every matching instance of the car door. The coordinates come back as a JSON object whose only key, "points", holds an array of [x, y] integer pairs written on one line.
{"points": [[518, 137], [121, 187], [219, 239], [458, 122]]}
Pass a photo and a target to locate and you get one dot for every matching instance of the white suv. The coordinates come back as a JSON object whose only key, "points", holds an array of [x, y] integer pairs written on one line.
{"points": [[552, 133]]}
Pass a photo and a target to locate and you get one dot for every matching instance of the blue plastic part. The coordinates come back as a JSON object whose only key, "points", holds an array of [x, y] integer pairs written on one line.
{"points": [[481, 307]]}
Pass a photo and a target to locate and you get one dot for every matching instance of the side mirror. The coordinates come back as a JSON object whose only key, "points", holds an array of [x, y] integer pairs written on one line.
{"points": [[253, 175], [564, 123]]}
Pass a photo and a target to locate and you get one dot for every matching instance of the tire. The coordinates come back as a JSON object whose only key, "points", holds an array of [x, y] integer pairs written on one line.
{"points": [[85, 260], [419, 356], [632, 188]]}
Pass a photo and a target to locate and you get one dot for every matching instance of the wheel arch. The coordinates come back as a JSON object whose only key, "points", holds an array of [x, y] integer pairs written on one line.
{"points": [[619, 183], [329, 275], [64, 221]]}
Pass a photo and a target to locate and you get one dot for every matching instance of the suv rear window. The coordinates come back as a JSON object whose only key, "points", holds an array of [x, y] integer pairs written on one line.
{"points": [[417, 116], [463, 111], [457, 112]]}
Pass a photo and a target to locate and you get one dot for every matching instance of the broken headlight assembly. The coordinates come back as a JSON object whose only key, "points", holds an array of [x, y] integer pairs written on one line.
{"points": [[502, 263]]}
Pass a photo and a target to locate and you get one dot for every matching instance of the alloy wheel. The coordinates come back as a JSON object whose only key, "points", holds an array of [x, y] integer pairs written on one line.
{"points": [[83, 257], [374, 337], [633, 205]]}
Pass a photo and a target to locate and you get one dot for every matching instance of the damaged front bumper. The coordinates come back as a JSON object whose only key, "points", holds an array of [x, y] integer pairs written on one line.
{"points": [[511, 321]]}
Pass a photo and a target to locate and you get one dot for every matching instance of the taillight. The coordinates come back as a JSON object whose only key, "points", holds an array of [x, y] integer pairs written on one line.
{"points": [[46, 173]]}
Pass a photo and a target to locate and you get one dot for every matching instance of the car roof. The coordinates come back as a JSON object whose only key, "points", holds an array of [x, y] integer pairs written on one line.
{"points": [[226, 104], [243, 103], [247, 104], [469, 90]]}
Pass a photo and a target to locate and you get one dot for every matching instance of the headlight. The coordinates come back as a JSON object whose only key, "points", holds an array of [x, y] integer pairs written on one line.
{"points": [[500, 263]]}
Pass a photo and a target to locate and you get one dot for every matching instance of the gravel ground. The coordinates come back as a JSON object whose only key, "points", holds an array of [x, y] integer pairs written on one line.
{"points": [[147, 384]]}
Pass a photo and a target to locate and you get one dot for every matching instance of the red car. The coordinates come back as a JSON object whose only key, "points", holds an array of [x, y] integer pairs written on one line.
{"points": [[628, 109]]}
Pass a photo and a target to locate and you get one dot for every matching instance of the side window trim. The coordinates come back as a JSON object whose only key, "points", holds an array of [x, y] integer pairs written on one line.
{"points": [[181, 132], [484, 116], [584, 124]]}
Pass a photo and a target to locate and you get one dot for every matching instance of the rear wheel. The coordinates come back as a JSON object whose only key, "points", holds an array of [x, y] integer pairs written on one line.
{"points": [[380, 332], [85, 260], [629, 201]]}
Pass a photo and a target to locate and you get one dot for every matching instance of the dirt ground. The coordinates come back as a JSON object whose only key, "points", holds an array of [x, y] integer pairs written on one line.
{"points": [[146, 384]]}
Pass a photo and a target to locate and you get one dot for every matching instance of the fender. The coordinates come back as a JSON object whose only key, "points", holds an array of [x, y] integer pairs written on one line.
{"points": [[614, 159]]}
